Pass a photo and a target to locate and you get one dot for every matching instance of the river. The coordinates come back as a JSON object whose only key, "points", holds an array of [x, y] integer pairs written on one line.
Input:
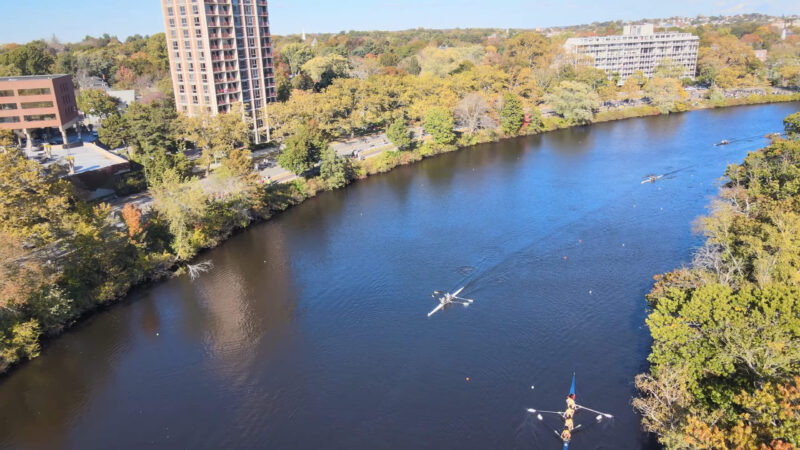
{"points": [[311, 330]]}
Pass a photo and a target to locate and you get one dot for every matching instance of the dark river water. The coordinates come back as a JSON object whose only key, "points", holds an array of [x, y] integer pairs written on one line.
{"points": [[311, 330]]}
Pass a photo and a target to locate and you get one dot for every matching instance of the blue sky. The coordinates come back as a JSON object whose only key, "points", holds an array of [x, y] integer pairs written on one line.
{"points": [[24, 20]]}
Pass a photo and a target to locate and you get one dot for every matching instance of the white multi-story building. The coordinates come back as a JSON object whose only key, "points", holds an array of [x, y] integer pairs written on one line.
{"points": [[220, 53], [639, 48]]}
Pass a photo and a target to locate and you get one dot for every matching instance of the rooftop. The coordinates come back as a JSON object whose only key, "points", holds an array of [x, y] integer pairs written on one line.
{"points": [[88, 157], [33, 77]]}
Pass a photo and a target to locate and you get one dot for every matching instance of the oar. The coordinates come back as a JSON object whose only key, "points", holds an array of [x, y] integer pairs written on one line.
{"points": [[441, 305], [464, 299], [601, 414], [534, 411]]}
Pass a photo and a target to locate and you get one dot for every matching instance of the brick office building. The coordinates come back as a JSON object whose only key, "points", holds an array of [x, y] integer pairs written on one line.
{"points": [[35, 102]]}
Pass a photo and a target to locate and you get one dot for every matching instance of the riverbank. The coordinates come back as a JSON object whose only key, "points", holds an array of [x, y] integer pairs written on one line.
{"points": [[222, 217], [726, 346]]}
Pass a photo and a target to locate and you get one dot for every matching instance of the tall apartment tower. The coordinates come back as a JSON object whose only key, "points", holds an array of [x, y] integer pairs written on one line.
{"points": [[220, 53]]}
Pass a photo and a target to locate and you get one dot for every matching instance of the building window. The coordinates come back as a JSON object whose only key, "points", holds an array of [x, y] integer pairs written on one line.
{"points": [[7, 93], [34, 105], [35, 91], [170, 12], [198, 32], [172, 23], [39, 117], [7, 106], [183, 10], [9, 119]]}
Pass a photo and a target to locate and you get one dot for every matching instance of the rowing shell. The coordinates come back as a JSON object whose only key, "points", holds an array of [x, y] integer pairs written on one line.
{"points": [[571, 392]]}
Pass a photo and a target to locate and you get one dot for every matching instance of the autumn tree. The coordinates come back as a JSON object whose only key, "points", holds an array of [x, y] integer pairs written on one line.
{"points": [[33, 203], [132, 217], [472, 113], [7, 139], [665, 93], [182, 204], [324, 69], [527, 50]]}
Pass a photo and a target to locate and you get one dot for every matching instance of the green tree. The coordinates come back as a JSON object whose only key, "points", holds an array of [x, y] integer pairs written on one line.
{"points": [[439, 123], [334, 169], [96, 102], [302, 150], [411, 65], [29, 59], [114, 131], [400, 135], [295, 55], [791, 124], [512, 116], [574, 101]]}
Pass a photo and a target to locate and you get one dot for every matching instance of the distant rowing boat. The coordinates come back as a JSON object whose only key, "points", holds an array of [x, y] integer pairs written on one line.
{"points": [[652, 179]]}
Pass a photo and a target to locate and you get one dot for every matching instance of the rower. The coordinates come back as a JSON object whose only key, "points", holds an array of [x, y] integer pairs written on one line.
{"points": [[566, 435], [569, 413], [569, 424], [571, 402]]}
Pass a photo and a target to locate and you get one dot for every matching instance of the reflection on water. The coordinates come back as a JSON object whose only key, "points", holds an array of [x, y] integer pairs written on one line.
{"points": [[310, 331]]}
